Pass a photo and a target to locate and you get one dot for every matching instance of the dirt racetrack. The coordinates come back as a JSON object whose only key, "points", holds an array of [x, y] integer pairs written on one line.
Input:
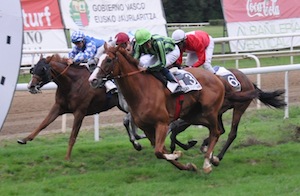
{"points": [[27, 111]]}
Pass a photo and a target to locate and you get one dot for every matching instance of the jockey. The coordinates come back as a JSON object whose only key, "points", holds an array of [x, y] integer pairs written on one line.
{"points": [[85, 49], [198, 45], [128, 43], [124, 40], [162, 51]]}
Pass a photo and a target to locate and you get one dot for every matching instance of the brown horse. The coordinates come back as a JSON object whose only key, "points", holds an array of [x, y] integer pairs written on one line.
{"points": [[152, 106], [271, 99], [73, 95]]}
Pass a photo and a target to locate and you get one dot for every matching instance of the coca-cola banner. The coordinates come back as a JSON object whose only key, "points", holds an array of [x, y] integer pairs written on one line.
{"points": [[104, 19], [262, 17], [43, 28]]}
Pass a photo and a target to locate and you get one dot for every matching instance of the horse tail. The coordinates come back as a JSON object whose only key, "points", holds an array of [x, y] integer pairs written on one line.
{"points": [[242, 96], [274, 98]]}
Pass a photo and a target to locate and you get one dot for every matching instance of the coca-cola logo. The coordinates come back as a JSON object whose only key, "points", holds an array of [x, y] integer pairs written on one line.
{"points": [[262, 8]]}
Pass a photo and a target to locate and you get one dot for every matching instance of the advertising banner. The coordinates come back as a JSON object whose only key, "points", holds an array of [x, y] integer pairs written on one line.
{"points": [[262, 17], [104, 19], [43, 28]]}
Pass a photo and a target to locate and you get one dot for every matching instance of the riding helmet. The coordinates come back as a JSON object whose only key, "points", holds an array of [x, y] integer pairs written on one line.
{"points": [[77, 36], [121, 38], [142, 36], [178, 35]]}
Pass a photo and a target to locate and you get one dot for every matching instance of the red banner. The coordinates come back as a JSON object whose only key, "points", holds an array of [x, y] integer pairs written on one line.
{"points": [[41, 15]]}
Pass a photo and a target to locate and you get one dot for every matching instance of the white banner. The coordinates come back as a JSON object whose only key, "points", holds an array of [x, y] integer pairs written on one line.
{"points": [[104, 19], [42, 39], [264, 28]]}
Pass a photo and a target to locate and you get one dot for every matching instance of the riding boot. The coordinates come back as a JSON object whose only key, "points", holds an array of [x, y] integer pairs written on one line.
{"points": [[170, 77]]}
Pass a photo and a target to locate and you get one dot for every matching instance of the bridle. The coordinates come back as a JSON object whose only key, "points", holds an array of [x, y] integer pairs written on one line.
{"points": [[109, 74]]}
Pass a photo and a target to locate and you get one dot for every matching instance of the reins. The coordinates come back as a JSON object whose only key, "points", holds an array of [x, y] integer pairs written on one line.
{"points": [[61, 73], [128, 74], [122, 75]]}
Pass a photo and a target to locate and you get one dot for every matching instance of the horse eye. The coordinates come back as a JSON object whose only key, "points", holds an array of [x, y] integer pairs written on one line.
{"points": [[108, 60]]}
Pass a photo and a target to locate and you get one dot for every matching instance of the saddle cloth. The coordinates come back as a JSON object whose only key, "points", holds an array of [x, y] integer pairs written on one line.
{"points": [[186, 79], [228, 76]]}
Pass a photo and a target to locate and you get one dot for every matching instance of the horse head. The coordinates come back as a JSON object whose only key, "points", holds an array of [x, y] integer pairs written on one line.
{"points": [[40, 76], [105, 66], [109, 65]]}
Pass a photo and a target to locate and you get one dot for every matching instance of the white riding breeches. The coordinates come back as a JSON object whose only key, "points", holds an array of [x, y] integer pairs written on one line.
{"points": [[171, 57]]}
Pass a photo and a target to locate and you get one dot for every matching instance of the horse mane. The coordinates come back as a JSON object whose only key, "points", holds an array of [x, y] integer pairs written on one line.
{"points": [[57, 58], [128, 57]]}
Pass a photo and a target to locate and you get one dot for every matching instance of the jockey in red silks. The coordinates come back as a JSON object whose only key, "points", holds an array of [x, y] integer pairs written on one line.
{"points": [[199, 47], [124, 40]]}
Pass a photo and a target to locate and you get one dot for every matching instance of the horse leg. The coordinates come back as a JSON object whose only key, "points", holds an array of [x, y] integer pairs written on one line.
{"points": [[205, 142], [161, 152], [52, 115], [236, 117], [134, 129], [214, 135], [78, 118], [177, 127], [215, 159], [127, 121]]}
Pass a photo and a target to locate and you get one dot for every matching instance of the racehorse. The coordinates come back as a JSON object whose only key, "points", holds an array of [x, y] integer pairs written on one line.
{"points": [[270, 99], [73, 95], [153, 107]]}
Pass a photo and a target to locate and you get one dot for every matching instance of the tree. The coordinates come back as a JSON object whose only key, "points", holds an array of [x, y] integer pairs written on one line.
{"points": [[192, 10]]}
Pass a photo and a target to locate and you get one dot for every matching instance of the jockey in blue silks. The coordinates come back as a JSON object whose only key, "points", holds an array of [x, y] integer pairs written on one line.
{"points": [[85, 48], [88, 49]]}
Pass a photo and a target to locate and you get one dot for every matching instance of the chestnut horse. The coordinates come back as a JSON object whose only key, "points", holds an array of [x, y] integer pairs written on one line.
{"points": [[73, 95], [271, 99], [152, 106]]}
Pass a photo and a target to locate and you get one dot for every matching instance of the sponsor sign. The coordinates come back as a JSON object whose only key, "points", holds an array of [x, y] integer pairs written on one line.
{"points": [[104, 19], [262, 17], [43, 28]]}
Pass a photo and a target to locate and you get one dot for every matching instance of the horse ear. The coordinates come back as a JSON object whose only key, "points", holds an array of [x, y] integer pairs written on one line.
{"points": [[105, 46], [48, 59], [41, 56]]}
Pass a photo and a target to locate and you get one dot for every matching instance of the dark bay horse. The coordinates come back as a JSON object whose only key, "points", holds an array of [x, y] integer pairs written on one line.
{"points": [[152, 106], [73, 95], [273, 99]]}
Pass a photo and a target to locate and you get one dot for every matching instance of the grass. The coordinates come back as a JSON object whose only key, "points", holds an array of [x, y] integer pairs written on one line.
{"points": [[263, 160]]}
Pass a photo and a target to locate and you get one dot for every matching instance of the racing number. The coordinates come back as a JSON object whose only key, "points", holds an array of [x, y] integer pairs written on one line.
{"points": [[232, 81]]}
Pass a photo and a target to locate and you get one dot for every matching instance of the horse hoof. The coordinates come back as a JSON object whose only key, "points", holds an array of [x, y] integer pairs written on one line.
{"points": [[215, 161], [192, 143], [191, 167], [203, 149], [178, 153], [21, 141], [137, 146], [207, 170]]}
